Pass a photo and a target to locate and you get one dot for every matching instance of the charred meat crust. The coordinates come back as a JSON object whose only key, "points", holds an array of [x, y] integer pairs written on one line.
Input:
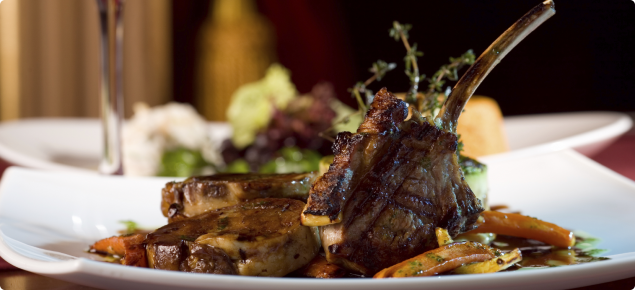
{"points": [[383, 118], [320, 268], [395, 216], [394, 182], [327, 195], [207, 259], [386, 113]]}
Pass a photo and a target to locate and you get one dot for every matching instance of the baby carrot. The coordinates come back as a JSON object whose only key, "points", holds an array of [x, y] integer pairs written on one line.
{"points": [[518, 225]]}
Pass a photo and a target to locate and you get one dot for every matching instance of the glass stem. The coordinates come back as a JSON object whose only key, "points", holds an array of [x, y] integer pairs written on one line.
{"points": [[111, 84]]}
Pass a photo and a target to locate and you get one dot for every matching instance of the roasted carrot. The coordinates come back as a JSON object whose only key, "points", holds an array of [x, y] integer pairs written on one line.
{"points": [[440, 260], [129, 247], [443, 237], [492, 265], [518, 225]]}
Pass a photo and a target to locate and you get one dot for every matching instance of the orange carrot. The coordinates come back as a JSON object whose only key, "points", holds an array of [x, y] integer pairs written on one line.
{"points": [[129, 247], [518, 225], [439, 260]]}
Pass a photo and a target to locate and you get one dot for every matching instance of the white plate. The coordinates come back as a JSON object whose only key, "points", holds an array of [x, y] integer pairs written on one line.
{"points": [[587, 132], [63, 144], [48, 219], [75, 144]]}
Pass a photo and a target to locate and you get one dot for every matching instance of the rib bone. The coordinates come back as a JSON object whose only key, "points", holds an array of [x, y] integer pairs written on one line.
{"points": [[465, 87]]}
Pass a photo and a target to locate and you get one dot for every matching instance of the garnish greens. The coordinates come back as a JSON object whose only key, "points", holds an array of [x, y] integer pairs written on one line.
{"points": [[428, 102], [182, 162], [400, 32], [131, 227], [379, 70], [223, 223]]}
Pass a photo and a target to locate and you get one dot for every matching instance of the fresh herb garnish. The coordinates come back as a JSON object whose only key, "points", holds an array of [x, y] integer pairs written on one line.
{"points": [[379, 70], [434, 96], [131, 227], [223, 223], [400, 32], [187, 238], [435, 257]]}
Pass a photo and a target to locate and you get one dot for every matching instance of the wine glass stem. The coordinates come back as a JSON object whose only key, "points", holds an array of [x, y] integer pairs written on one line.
{"points": [[111, 91]]}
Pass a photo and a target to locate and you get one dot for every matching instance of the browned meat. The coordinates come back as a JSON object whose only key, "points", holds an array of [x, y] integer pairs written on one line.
{"points": [[320, 268], [391, 185], [261, 237], [394, 181], [200, 194]]}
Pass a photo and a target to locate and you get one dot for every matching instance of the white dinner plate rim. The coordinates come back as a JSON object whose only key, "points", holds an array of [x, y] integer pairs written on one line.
{"points": [[620, 266]]}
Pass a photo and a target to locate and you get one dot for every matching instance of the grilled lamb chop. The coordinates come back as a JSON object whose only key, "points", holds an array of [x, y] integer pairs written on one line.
{"points": [[394, 181], [200, 194], [261, 237], [390, 185]]}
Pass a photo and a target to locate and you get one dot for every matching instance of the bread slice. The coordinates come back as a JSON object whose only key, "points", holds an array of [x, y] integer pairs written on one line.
{"points": [[481, 128]]}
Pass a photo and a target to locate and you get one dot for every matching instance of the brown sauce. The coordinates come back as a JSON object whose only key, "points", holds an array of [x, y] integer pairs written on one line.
{"points": [[537, 255]]}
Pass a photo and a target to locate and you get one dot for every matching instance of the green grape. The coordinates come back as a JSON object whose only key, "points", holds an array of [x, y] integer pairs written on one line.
{"points": [[293, 160], [238, 166]]}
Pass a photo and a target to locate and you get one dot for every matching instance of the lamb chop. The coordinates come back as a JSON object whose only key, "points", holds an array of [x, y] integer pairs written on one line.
{"points": [[394, 181], [261, 237], [200, 194]]}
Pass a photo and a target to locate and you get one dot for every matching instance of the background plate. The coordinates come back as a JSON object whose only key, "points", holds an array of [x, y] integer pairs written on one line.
{"points": [[75, 144]]}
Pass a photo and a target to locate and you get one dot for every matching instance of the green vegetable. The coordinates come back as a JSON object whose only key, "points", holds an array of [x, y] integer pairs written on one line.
{"points": [[293, 160], [131, 226], [346, 118], [587, 243], [475, 174], [238, 166], [252, 104], [181, 162]]}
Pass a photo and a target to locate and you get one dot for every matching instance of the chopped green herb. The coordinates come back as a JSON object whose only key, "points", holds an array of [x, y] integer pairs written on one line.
{"points": [[223, 223], [187, 238], [594, 252], [426, 162], [435, 257]]}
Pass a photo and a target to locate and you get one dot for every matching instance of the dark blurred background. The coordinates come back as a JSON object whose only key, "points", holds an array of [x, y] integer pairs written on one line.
{"points": [[582, 59]]}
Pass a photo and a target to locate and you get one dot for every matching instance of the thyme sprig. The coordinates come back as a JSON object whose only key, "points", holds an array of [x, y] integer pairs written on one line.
{"points": [[379, 70], [431, 101], [427, 103], [400, 32]]}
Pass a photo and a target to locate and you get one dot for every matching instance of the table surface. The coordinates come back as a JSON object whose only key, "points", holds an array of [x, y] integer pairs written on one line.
{"points": [[619, 157]]}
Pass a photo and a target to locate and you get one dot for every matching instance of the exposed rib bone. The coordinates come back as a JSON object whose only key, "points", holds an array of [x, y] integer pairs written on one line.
{"points": [[465, 87]]}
